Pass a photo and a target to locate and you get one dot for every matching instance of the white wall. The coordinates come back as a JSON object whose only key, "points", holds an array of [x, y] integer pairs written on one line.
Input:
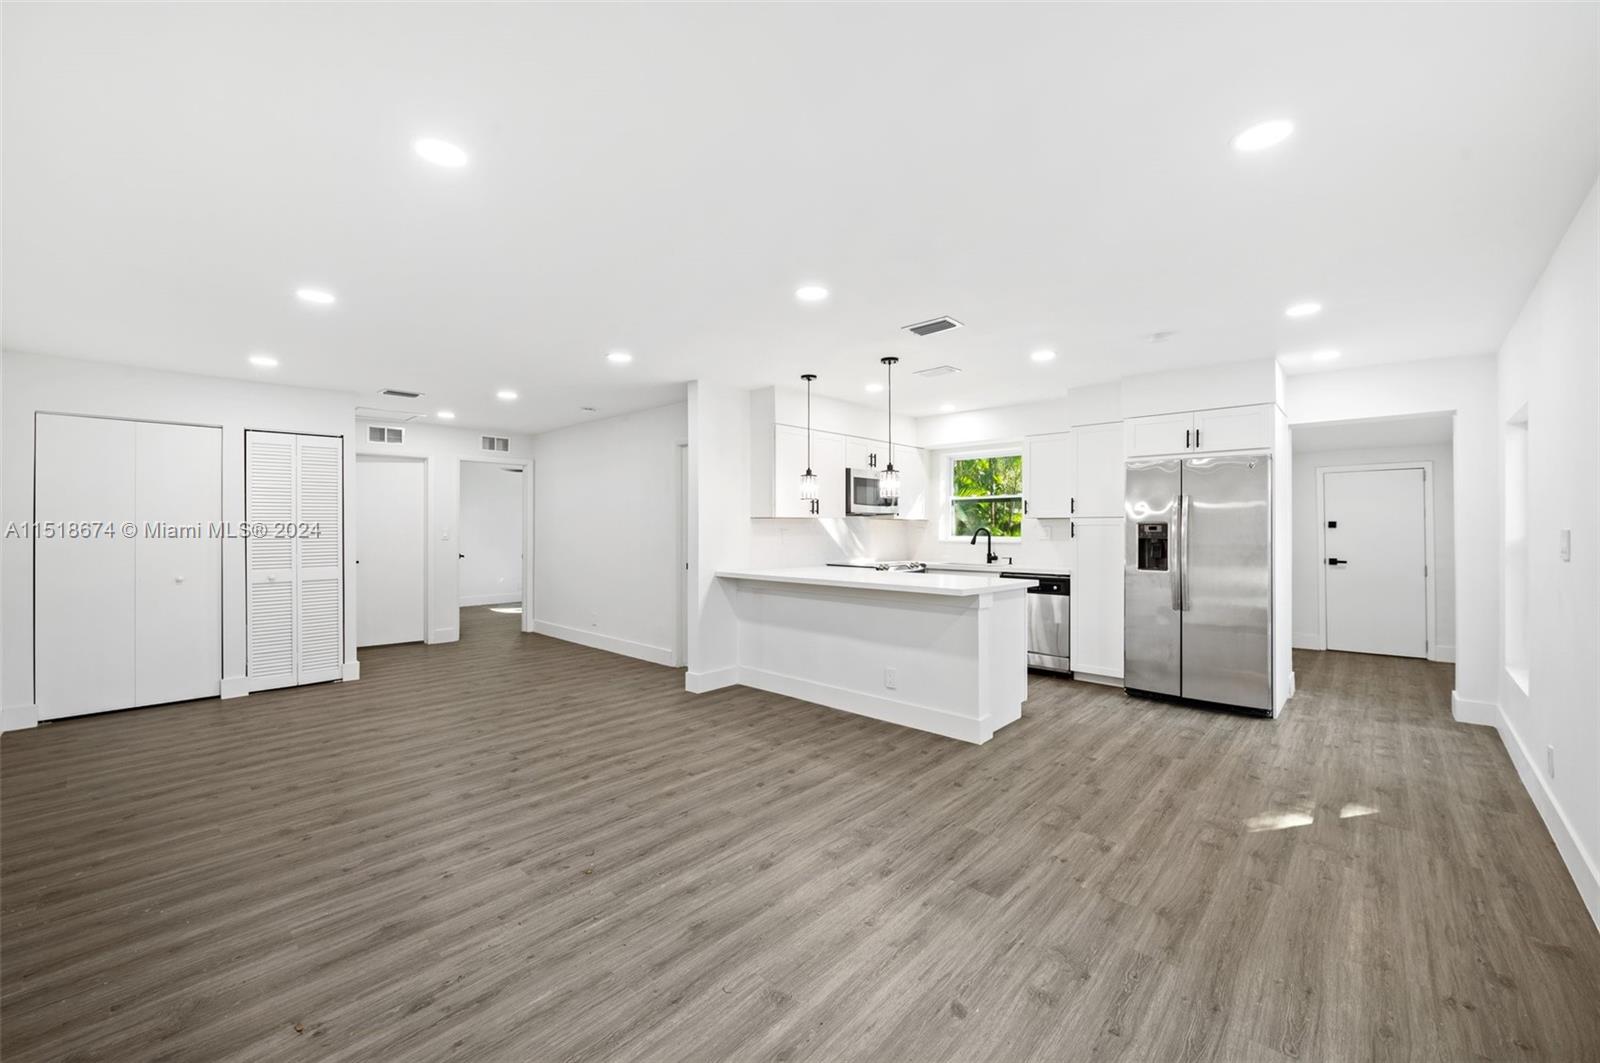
{"points": [[606, 541], [444, 449], [59, 385], [1308, 556], [1550, 364], [1465, 387], [491, 533]]}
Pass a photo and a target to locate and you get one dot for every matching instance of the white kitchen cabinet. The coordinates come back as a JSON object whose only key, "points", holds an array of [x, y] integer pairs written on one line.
{"points": [[827, 461], [1201, 431], [1099, 471], [1167, 434], [913, 467], [1236, 428], [1050, 467], [789, 456], [1097, 597], [862, 453]]}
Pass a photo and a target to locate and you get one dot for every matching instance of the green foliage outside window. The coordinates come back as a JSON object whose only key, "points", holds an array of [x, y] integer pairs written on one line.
{"points": [[987, 493]]}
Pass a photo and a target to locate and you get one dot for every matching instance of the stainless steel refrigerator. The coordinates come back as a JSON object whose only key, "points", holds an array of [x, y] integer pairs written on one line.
{"points": [[1197, 580]]}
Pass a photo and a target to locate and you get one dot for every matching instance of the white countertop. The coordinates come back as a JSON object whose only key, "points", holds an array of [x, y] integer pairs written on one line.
{"points": [[950, 584], [978, 566]]}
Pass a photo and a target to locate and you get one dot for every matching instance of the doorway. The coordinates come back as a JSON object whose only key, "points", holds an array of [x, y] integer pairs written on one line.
{"points": [[1376, 570], [392, 554], [491, 561]]}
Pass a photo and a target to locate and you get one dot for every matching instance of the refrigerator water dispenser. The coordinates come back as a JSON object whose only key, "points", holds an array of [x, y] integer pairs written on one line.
{"points": [[1153, 547]]}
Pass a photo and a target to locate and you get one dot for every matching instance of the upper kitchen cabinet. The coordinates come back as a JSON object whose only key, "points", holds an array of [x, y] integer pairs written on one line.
{"points": [[913, 467], [1050, 466], [778, 493], [865, 453], [1168, 434], [1200, 431], [1100, 468]]}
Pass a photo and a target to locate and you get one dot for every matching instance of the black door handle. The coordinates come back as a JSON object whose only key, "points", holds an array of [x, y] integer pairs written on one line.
{"points": [[460, 556], [1337, 561]]}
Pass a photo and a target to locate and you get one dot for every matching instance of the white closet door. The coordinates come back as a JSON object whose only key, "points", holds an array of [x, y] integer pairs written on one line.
{"points": [[391, 561], [269, 561], [320, 561], [179, 574], [84, 575]]}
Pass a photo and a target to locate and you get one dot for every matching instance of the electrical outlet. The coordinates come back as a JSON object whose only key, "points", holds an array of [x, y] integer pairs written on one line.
{"points": [[1550, 761], [1566, 544], [891, 680], [1045, 530]]}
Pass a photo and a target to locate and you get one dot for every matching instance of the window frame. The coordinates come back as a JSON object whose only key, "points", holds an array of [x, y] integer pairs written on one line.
{"points": [[948, 497]]}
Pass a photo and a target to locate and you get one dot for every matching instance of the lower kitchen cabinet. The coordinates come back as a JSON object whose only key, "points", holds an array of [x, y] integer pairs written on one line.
{"points": [[1097, 597]]}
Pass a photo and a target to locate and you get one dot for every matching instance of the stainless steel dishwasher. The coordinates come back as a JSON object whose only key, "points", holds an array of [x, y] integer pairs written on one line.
{"points": [[1049, 621]]}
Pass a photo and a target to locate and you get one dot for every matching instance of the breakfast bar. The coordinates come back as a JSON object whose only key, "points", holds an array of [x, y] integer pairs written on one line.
{"points": [[937, 651]]}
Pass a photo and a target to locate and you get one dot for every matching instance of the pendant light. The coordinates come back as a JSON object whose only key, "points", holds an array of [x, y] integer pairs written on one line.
{"points": [[889, 478], [808, 479]]}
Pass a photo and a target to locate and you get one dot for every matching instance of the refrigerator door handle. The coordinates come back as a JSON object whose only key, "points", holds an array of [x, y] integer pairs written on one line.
{"points": [[1183, 545], [1175, 561]]}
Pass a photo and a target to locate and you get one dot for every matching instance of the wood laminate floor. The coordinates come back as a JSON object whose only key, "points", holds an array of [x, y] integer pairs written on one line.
{"points": [[514, 848]]}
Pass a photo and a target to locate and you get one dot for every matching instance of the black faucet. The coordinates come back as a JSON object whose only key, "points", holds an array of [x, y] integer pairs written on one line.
{"points": [[991, 557]]}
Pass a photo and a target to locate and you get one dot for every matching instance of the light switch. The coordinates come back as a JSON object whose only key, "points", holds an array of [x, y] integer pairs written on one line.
{"points": [[1566, 544]]}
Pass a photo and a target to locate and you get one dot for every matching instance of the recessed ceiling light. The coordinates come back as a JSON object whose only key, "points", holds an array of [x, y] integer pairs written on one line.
{"points": [[263, 361], [1264, 135], [1043, 356], [1303, 310], [619, 357], [811, 293], [315, 296], [948, 407], [440, 152], [506, 395], [874, 387], [1325, 356], [446, 415]]}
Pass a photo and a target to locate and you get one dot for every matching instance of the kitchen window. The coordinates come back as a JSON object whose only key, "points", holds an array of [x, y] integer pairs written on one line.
{"points": [[985, 491]]}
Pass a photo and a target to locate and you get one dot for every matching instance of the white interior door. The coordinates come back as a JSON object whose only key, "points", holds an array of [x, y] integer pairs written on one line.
{"points": [[269, 560], [319, 558], [1376, 550], [391, 557], [179, 575], [84, 569]]}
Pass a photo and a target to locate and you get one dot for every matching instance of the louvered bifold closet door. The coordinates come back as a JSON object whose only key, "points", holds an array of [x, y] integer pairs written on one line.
{"points": [[319, 465], [269, 465]]}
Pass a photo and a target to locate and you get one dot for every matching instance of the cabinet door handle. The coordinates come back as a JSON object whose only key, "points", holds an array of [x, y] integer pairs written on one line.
{"points": [[1186, 433], [1024, 507], [1072, 504], [1072, 529], [1197, 439]]}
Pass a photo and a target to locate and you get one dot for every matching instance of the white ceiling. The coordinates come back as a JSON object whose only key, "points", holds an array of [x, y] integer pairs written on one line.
{"points": [[1432, 429], [661, 178]]}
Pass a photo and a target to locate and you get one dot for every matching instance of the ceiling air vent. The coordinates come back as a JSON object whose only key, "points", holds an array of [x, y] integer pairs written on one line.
{"points": [[938, 370], [383, 433], [499, 444], [399, 393], [938, 324]]}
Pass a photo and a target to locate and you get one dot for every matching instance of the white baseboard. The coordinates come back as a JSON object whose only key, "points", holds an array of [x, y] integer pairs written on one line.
{"points": [[1445, 652], [609, 643], [19, 717], [1580, 865], [1308, 640], [921, 717], [234, 686], [706, 682], [444, 634], [490, 599], [352, 671], [1103, 680], [1466, 710]]}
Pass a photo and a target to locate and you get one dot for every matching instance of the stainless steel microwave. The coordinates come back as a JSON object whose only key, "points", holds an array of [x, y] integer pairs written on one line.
{"points": [[861, 498]]}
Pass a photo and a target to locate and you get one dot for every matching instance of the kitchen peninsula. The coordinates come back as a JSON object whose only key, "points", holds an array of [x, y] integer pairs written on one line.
{"points": [[938, 651]]}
